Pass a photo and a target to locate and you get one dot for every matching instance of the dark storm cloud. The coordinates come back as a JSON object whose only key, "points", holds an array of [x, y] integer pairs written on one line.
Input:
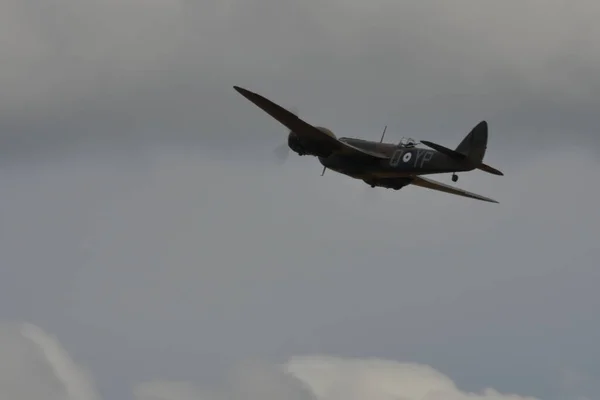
{"points": [[131, 72]]}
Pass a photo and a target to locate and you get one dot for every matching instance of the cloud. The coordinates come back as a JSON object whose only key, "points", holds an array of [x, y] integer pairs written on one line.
{"points": [[330, 378], [35, 366], [256, 380], [183, 253], [167, 390], [215, 234], [128, 73], [334, 378], [77, 383], [578, 384], [162, 240]]}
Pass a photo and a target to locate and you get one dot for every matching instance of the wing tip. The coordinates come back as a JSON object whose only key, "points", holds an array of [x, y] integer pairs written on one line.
{"points": [[475, 196], [241, 90], [486, 199], [483, 198]]}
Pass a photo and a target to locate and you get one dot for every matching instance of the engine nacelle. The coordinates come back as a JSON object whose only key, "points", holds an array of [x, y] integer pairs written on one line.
{"points": [[307, 147], [295, 144], [326, 131]]}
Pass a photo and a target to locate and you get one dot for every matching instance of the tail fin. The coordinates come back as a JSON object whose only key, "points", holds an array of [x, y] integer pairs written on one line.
{"points": [[471, 149], [474, 145]]}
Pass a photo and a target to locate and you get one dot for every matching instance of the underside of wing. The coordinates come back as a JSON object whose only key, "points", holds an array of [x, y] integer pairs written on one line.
{"points": [[304, 130], [431, 184]]}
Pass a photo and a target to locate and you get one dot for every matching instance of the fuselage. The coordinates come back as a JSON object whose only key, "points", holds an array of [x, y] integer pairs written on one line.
{"points": [[402, 161]]}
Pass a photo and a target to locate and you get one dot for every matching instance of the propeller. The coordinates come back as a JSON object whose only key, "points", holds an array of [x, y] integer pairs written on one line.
{"points": [[282, 151]]}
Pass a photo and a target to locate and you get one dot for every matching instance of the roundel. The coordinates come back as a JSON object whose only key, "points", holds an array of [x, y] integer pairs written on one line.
{"points": [[407, 157]]}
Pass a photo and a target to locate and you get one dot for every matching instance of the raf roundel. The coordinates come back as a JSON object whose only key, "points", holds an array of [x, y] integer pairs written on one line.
{"points": [[407, 157]]}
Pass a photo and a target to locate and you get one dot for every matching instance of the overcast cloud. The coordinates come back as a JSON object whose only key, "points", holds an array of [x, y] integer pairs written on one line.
{"points": [[46, 370], [145, 224]]}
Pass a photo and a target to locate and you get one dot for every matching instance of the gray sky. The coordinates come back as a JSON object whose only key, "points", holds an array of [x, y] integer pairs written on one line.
{"points": [[146, 226]]}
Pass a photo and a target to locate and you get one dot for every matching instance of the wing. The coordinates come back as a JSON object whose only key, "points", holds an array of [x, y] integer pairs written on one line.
{"points": [[302, 128], [353, 150], [431, 184]]}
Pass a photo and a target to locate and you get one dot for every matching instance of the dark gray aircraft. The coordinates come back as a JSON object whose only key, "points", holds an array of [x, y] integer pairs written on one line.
{"points": [[387, 165]]}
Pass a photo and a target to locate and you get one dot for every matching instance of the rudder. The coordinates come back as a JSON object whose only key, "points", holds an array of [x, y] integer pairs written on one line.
{"points": [[474, 145]]}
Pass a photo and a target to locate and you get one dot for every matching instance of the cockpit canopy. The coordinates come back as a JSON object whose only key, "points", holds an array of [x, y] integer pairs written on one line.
{"points": [[407, 142]]}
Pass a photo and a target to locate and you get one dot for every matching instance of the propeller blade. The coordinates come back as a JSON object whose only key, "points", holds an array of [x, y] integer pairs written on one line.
{"points": [[281, 152]]}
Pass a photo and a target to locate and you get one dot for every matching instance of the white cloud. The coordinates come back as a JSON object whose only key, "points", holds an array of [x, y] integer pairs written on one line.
{"points": [[39, 362], [333, 378], [33, 366], [76, 381]]}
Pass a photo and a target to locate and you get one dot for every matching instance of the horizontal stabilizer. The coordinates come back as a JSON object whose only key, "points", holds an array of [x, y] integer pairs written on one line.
{"points": [[490, 170], [460, 156], [444, 150]]}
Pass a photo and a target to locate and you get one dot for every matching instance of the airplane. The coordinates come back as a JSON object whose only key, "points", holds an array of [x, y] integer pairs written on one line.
{"points": [[379, 164]]}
